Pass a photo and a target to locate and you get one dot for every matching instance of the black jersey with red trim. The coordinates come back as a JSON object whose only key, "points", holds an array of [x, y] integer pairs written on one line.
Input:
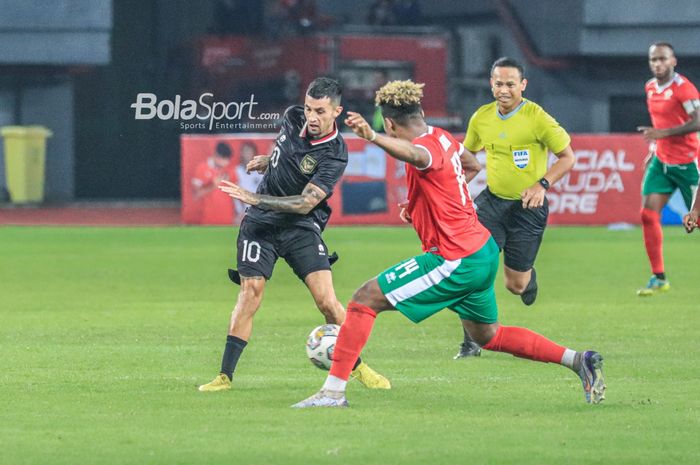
{"points": [[296, 161]]}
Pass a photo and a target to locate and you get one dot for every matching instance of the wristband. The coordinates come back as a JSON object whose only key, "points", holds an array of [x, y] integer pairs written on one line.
{"points": [[544, 183], [374, 136]]}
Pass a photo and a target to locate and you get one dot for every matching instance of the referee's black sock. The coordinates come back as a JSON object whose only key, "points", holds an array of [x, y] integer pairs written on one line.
{"points": [[661, 276], [232, 352]]}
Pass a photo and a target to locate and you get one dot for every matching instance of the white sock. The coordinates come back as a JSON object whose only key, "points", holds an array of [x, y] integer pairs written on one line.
{"points": [[333, 383], [568, 358]]}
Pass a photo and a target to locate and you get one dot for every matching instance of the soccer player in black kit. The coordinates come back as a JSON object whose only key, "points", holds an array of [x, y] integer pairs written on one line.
{"points": [[288, 213]]}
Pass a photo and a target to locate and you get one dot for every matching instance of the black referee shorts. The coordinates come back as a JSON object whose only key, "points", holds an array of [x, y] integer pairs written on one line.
{"points": [[518, 231], [260, 245]]}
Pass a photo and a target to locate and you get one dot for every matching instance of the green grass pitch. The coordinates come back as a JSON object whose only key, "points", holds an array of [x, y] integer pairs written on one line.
{"points": [[104, 334]]}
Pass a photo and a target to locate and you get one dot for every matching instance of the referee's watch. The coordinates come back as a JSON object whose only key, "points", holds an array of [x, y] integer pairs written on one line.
{"points": [[544, 183]]}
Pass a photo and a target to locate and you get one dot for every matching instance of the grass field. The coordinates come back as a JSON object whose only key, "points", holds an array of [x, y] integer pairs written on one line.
{"points": [[104, 334]]}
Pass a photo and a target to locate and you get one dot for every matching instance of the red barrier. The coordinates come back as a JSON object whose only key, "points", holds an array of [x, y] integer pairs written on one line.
{"points": [[603, 187], [605, 184]]}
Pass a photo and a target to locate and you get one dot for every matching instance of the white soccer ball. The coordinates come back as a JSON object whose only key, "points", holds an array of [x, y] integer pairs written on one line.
{"points": [[320, 345]]}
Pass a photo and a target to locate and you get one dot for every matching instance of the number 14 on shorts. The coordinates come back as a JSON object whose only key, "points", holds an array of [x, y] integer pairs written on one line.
{"points": [[404, 269]]}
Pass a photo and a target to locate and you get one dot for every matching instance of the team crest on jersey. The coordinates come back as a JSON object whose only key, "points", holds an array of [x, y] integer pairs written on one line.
{"points": [[307, 165], [521, 158]]}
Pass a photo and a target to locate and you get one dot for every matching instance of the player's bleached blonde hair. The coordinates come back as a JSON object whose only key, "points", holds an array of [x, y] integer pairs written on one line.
{"points": [[400, 100], [399, 94]]}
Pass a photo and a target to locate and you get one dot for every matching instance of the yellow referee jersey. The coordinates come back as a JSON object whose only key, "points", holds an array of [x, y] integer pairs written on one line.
{"points": [[516, 145]]}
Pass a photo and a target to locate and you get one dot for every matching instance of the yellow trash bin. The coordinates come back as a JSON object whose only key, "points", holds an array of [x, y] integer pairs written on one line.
{"points": [[25, 158]]}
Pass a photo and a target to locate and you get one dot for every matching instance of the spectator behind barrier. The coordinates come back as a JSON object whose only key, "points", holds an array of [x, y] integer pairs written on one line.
{"points": [[214, 206]]}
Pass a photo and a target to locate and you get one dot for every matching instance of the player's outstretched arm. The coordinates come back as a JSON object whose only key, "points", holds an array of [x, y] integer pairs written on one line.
{"points": [[302, 204], [397, 148]]}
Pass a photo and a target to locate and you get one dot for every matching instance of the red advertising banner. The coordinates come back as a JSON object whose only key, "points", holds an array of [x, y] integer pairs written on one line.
{"points": [[369, 192], [602, 188], [201, 202]]}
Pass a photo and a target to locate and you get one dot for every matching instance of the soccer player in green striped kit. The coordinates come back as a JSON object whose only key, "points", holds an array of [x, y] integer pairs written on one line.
{"points": [[459, 261]]}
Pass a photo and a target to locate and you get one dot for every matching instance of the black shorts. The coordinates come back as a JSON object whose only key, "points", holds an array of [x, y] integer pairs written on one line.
{"points": [[518, 231], [260, 245]]}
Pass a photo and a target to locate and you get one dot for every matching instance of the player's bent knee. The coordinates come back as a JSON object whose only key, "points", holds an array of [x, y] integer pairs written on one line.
{"points": [[654, 203], [362, 294], [251, 289], [371, 295], [516, 287], [249, 297], [484, 334], [359, 296], [328, 306]]}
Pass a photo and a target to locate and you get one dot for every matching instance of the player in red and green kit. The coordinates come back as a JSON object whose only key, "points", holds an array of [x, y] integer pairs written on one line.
{"points": [[459, 261], [674, 107]]}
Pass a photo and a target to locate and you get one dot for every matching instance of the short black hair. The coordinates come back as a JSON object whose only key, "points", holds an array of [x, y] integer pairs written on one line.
{"points": [[223, 150], [664, 44], [507, 62], [325, 87], [403, 114]]}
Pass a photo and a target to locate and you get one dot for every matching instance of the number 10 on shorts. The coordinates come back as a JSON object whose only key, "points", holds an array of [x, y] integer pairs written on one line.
{"points": [[251, 251]]}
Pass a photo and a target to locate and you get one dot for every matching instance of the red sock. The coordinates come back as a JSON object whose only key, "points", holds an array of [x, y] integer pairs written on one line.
{"points": [[653, 239], [352, 338], [524, 343]]}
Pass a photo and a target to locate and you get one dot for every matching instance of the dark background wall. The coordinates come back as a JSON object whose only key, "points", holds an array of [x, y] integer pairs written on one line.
{"points": [[77, 65], [117, 156]]}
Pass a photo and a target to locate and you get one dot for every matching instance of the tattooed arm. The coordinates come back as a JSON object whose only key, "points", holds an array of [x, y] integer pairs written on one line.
{"points": [[300, 204]]}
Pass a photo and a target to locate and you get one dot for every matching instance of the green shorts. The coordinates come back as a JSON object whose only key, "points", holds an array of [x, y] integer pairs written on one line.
{"points": [[661, 178], [425, 284]]}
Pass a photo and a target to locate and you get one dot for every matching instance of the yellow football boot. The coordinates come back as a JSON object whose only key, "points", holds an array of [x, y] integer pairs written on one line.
{"points": [[220, 383], [370, 378]]}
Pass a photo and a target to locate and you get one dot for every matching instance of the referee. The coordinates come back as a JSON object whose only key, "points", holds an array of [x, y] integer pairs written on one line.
{"points": [[517, 135]]}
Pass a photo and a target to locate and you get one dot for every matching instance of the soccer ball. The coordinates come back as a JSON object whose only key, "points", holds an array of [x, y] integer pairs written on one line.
{"points": [[320, 345]]}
